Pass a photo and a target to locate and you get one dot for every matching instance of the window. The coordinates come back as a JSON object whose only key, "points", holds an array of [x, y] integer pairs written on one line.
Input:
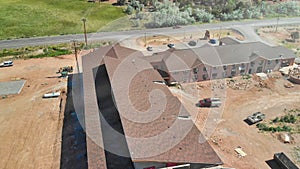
{"points": [[224, 74], [185, 79], [204, 77], [214, 68], [224, 67], [277, 61], [233, 73], [242, 71], [233, 68], [260, 62], [285, 63], [259, 70], [195, 70], [252, 64], [242, 67], [195, 76], [269, 62], [214, 75], [204, 69]]}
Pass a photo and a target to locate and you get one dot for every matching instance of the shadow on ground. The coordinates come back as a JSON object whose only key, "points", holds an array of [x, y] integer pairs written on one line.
{"points": [[272, 164], [73, 146]]}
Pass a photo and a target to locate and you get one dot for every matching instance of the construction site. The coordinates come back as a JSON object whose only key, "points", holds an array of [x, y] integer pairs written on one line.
{"points": [[56, 114]]}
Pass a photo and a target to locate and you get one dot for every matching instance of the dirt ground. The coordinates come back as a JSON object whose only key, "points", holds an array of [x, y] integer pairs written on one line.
{"points": [[281, 37], [30, 125], [225, 128], [158, 40]]}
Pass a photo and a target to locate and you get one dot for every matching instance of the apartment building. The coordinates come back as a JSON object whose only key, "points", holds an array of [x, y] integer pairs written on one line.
{"points": [[215, 62]]}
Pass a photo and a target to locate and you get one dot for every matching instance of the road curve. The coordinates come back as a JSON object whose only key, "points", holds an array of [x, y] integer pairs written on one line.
{"points": [[116, 36]]}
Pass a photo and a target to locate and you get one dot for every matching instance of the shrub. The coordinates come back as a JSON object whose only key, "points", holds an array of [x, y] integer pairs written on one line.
{"points": [[201, 15], [275, 120], [129, 10], [168, 14]]}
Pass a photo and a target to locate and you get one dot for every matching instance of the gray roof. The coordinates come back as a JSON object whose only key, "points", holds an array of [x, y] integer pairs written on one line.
{"points": [[180, 59], [229, 41], [239, 53]]}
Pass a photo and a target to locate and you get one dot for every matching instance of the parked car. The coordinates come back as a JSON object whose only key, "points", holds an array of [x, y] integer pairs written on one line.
{"points": [[213, 41], [149, 48], [256, 117], [7, 63], [171, 45]]}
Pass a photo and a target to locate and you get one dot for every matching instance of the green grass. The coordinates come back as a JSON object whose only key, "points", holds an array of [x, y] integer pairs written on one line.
{"points": [[29, 18], [47, 50]]}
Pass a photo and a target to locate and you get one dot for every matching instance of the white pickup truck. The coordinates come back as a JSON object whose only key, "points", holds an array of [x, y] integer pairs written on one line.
{"points": [[7, 63]]}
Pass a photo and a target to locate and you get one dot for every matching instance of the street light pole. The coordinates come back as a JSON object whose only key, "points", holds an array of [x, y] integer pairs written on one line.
{"points": [[84, 29]]}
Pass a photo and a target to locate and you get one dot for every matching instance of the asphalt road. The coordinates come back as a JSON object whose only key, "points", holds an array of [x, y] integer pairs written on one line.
{"points": [[242, 26]]}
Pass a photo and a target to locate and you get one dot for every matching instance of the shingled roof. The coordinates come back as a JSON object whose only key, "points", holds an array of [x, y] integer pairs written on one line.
{"points": [[235, 53], [148, 112]]}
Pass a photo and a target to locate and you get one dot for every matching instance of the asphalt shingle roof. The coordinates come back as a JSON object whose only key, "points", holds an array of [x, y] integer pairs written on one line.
{"points": [[148, 112], [182, 59]]}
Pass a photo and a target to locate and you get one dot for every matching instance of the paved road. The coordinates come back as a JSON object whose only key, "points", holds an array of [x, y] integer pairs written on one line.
{"points": [[16, 43]]}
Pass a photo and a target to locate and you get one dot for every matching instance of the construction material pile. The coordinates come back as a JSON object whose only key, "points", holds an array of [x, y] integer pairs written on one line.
{"points": [[241, 83]]}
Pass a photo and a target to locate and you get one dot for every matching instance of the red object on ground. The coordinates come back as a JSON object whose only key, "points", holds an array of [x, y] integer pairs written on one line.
{"points": [[153, 167], [171, 164]]}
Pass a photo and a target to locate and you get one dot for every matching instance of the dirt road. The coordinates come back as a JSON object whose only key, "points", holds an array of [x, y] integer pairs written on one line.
{"points": [[31, 126]]}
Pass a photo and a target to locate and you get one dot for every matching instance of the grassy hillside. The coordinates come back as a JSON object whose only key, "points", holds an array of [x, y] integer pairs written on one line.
{"points": [[28, 18]]}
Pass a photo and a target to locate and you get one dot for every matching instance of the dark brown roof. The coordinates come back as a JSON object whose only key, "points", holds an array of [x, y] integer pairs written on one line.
{"points": [[148, 111], [95, 153], [149, 114]]}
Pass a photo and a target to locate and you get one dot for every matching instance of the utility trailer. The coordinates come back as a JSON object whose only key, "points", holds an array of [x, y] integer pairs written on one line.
{"points": [[283, 161], [7, 63]]}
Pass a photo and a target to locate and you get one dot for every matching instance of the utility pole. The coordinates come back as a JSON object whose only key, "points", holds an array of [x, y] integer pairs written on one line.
{"points": [[277, 23], [145, 39], [75, 52], [84, 29]]}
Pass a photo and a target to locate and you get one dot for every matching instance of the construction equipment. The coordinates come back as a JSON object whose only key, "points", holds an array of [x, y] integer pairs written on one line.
{"points": [[68, 69], [64, 74]]}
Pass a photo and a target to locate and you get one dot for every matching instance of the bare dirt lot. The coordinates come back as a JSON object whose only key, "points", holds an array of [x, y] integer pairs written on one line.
{"points": [[30, 125], [281, 37], [225, 128], [158, 40]]}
